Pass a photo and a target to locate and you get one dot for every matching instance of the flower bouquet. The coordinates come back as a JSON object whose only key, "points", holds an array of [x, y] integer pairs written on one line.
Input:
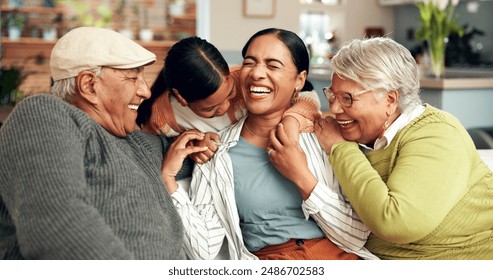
{"points": [[437, 22]]}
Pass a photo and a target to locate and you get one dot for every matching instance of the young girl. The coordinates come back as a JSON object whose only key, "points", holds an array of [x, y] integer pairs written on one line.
{"points": [[196, 89]]}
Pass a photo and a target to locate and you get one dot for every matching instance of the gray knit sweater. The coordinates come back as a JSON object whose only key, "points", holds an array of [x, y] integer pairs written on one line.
{"points": [[71, 190]]}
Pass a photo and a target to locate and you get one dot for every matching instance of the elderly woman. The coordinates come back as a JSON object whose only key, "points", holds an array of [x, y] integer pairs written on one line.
{"points": [[410, 171]]}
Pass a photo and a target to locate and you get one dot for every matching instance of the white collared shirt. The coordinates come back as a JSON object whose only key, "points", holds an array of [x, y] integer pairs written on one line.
{"points": [[389, 134], [210, 216]]}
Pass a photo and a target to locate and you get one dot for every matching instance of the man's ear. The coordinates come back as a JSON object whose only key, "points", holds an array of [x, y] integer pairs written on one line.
{"points": [[85, 85], [180, 98]]}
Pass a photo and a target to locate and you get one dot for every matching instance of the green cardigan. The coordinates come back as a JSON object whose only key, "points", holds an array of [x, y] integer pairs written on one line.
{"points": [[427, 195]]}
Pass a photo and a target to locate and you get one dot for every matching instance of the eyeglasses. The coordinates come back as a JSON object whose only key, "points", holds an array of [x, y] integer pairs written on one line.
{"points": [[345, 98]]}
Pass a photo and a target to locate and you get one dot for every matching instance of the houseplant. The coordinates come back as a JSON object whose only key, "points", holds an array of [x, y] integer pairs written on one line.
{"points": [[437, 22], [15, 3], [84, 13], [10, 79], [120, 13], [145, 34], [177, 7], [14, 22]]}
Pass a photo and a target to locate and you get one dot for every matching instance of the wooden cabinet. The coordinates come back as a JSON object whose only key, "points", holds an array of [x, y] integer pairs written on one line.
{"points": [[32, 53], [37, 19], [33, 56], [183, 26], [132, 16]]}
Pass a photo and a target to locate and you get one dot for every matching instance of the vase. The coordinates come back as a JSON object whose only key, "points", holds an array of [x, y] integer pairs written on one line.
{"points": [[16, 3], [146, 35], [127, 33], [176, 9], [49, 33], [436, 49], [49, 3], [14, 33]]}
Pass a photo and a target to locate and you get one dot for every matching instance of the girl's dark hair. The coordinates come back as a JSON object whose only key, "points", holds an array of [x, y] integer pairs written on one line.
{"points": [[194, 67], [295, 45]]}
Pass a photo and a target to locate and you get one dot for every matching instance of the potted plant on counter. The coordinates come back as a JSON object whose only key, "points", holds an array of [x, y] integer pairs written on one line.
{"points": [[145, 34], [14, 23], [437, 21], [177, 7]]}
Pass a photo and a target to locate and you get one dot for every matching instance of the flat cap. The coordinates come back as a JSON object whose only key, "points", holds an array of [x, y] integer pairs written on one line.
{"points": [[86, 48]]}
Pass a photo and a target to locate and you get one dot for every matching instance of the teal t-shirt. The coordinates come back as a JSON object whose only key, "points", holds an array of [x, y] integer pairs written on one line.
{"points": [[269, 205]]}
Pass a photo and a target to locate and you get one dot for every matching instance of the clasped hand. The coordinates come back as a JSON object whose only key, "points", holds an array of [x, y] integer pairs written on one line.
{"points": [[328, 133]]}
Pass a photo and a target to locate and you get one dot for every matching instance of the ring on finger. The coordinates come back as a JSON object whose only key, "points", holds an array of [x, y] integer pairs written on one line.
{"points": [[270, 151]]}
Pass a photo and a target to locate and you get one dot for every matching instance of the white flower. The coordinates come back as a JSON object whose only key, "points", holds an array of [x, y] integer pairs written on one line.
{"points": [[442, 4], [437, 22]]}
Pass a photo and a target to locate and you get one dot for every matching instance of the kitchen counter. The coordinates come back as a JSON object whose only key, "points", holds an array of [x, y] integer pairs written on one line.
{"points": [[460, 79], [33, 56], [454, 78], [465, 93]]}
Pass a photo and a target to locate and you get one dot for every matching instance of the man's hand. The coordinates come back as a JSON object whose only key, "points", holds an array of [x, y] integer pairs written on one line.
{"points": [[176, 154]]}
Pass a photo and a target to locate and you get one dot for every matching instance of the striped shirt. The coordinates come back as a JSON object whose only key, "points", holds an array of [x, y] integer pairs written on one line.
{"points": [[210, 217]]}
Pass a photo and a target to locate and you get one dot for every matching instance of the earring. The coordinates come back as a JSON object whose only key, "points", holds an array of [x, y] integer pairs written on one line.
{"points": [[295, 95], [385, 126]]}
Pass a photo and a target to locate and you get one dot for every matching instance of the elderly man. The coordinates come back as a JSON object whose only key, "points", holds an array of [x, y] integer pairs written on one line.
{"points": [[77, 181]]}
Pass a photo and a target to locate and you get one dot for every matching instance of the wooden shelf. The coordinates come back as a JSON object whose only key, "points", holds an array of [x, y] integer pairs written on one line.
{"points": [[33, 55], [26, 41], [32, 10], [184, 17]]}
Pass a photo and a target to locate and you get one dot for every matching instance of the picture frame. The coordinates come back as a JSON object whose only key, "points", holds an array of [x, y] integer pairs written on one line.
{"points": [[259, 8]]}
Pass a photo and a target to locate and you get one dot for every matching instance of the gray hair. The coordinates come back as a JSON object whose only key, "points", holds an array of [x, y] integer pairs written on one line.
{"points": [[380, 63], [66, 88]]}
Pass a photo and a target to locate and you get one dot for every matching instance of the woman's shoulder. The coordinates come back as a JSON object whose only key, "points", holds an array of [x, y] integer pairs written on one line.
{"points": [[235, 69], [433, 123], [234, 72], [433, 115], [309, 142]]}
